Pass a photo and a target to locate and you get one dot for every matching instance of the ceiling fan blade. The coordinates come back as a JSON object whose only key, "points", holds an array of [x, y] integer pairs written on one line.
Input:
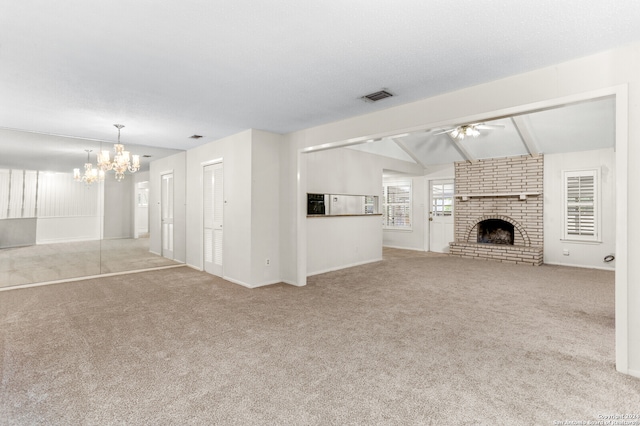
{"points": [[442, 132], [483, 126]]}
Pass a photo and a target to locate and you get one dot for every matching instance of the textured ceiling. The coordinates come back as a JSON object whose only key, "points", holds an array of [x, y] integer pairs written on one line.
{"points": [[170, 69]]}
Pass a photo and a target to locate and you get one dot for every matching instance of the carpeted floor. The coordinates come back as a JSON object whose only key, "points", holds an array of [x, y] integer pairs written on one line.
{"points": [[414, 339]]}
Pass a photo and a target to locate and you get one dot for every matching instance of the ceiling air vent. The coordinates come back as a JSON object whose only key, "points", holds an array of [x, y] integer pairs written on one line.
{"points": [[374, 97]]}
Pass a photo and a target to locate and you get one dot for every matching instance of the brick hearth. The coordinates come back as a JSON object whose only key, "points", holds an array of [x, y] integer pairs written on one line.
{"points": [[509, 189]]}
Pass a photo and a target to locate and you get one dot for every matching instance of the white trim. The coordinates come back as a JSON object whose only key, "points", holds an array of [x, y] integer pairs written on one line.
{"points": [[622, 239], [90, 277], [405, 248], [569, 265], [301, 215], [597, 205], [243, 284], [211, 162], [398, 182], [634, 373], [338, 268], [197, 268]]}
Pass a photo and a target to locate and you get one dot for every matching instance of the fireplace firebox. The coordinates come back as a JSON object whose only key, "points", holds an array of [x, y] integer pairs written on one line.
{"points": [[495, 231]]}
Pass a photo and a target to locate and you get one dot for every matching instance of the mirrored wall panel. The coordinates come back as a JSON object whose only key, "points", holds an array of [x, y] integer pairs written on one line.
{"points": [[58, 223]]}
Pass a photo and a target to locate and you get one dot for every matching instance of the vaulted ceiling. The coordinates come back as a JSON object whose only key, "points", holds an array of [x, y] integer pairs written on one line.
{"points": [[577, 127], [171, 69]]}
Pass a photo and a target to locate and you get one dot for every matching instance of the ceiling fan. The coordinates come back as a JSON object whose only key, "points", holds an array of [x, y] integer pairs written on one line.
{"points": [[469, 130]]}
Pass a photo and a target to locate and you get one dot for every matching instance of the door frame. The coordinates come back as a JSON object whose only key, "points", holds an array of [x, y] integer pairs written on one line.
{"points": [[429, 203], [162, 175], [202, 242]]}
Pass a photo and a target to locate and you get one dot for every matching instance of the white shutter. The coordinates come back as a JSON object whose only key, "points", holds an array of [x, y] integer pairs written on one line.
{"points": [[581, 205], [397, 205]]}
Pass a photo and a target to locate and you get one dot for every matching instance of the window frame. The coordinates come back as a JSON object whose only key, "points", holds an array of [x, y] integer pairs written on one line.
{"points": [[385, 204], [595, 204]]}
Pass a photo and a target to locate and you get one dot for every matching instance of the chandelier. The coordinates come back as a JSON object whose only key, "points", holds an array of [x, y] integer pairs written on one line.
{"points": [[467, 130], [122, 161], [90, 174]]}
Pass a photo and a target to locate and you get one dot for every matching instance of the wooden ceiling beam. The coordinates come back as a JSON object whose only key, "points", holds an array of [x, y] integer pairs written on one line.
{"points": [[526, 135]]}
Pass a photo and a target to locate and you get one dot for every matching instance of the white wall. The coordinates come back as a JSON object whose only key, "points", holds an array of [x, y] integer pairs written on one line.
{"points": [[68, 229], [68, 210], [583, 254], [596, 75], [410, 239], [177, 164], [235, 152], [340, 242], [418, 237], [265, 207], [251, 224]]}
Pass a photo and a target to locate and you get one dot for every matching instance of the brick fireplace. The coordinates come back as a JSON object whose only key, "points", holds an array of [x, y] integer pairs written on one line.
{"points": [[498, 209]]}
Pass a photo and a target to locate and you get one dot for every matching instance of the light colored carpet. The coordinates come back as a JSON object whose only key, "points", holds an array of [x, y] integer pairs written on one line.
{"points": [[414, 339]]}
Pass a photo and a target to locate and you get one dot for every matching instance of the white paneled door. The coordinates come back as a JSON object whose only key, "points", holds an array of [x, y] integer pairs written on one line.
{"points": [[213, 215], [166, 206], [441, 215]]}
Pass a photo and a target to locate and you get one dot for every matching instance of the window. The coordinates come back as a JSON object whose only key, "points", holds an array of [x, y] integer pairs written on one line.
{"points": [[442, 199], [581, 205], [396, 205]]}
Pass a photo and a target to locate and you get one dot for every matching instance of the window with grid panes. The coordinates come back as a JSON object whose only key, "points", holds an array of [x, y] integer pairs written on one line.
{"points": [[396, 205], [442, 199], [581, 209]]}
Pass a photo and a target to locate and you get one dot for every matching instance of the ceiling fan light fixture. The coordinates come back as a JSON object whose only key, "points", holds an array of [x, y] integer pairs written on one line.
{"points": [[466, 130]]}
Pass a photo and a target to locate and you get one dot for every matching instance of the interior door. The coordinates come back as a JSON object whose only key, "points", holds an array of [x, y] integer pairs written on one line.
{"points": [[441, 215], [213, 217], [166, 206], [142, 210]]}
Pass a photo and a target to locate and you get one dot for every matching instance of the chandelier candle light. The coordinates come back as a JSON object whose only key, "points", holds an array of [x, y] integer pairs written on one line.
{"points": [[90, 174], [121, 160]]}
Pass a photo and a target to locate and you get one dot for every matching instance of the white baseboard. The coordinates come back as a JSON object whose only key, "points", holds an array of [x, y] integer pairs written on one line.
{"points": [[337, 268], [89, 277], [66, 240], [250, 285], [634, 373], [404, 248], [197, 268], [234, 281], [603, 268]]}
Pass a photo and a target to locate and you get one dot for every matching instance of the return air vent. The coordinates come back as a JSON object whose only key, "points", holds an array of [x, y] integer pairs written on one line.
{"points": [[374, 97]]}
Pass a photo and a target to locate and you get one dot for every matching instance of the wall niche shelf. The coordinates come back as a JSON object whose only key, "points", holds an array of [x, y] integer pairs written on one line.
{"points": [[520, 195]]}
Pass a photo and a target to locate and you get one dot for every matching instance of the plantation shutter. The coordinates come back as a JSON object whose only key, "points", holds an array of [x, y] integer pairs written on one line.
{"points": [[581, 205], [397, 205]]}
